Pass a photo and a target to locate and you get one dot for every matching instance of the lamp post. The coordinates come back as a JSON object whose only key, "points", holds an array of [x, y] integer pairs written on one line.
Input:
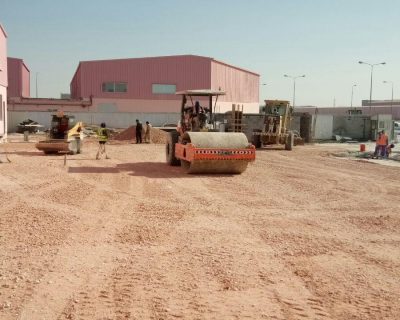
{"points": [[261, 85], [36, 84], [352, 89], [294, 85], [391, 101], [370, 88]]}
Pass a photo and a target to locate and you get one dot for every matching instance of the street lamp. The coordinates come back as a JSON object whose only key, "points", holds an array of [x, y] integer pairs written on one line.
{"points": [[261, 85], [294, 85], [351, 102], [370, 88], [36, 84], [391, 102]]}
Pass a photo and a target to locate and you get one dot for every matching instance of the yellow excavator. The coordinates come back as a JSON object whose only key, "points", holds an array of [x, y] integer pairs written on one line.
{"points": [[64, 136]]}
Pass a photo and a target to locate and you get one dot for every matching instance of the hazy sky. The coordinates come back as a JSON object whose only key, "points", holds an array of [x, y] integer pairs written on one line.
{"points": [[323, 39]]}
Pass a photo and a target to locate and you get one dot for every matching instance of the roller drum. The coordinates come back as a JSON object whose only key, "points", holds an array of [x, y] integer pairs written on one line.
{"points": [[228, 140], [216, 140]]}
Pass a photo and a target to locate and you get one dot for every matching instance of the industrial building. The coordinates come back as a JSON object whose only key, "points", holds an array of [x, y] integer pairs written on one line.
{"points": [[3, 82], [119, 91], [18, 78], [147, 86], [360, 123]]}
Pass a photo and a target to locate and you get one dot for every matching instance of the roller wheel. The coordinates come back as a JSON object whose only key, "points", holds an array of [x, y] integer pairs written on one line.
{"points": [[289, 141], [257, 139], [170, 149], [73, 147]]}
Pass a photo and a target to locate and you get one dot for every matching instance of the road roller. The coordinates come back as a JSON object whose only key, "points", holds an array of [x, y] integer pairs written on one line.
{"points": [[198, 146], [63, 136]]}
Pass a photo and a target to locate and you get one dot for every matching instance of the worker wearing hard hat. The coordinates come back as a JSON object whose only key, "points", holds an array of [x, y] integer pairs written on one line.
{"points": [[102, 134]]}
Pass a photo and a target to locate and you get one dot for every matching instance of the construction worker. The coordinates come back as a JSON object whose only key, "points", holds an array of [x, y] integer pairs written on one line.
{"points": [[376, 153], [382, 143], [139, 129], [102, 134], [147, 132], [389, 150]]}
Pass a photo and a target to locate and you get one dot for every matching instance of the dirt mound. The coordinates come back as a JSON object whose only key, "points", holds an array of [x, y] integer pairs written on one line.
{"points": [[127, 134], [157, 136]]}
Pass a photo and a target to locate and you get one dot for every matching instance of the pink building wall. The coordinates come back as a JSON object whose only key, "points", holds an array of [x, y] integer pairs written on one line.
{"points": [[241, 86], [26, 81], [18, 78], [3, 82], [186, 72], [3, 57]]}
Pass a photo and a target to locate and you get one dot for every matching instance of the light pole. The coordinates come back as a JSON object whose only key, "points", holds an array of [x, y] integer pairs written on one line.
{"points": [[36, 84], [370, 88], [294, 85], [261, 85], [352, 88], [391, 102]]}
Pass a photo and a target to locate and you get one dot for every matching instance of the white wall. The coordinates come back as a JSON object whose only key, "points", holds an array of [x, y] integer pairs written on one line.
{"points": [[113, 120], [3, 111], [322, 127], [222, 107]]}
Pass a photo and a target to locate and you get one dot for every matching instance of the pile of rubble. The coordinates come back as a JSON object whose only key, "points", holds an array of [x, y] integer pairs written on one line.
{"points": [[157, 136]]}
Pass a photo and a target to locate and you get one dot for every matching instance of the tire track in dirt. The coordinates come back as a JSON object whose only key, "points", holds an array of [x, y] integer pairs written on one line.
{"points": [[160, 244], [88, 254]]}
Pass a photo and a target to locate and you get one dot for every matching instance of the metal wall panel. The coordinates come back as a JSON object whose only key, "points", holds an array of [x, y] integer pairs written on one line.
{"points": [[18, 78], [14, 77], [3, 58], [3, 81], [25, 81], [186, 72], [75, 86], [240, 85]]}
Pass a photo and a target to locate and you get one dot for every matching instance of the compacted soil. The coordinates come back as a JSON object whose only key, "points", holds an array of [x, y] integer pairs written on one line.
{"points": [[299, 235]]}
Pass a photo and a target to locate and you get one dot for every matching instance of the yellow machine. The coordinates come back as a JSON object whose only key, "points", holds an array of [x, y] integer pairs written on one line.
{"points": [[64, 136], [275, 130]]}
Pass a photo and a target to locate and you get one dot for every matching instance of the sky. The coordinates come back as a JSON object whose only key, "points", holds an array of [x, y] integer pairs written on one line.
{"points": [[322, 39]]}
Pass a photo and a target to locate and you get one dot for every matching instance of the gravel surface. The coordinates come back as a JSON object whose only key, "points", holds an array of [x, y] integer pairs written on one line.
{"points": [[299, 235]]}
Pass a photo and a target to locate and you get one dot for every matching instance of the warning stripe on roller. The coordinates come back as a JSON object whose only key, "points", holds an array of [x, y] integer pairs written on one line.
{"points": [[224, 154]]}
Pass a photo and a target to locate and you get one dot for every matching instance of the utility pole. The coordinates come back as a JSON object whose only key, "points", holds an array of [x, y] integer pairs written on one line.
{"points": [[37, 84]]}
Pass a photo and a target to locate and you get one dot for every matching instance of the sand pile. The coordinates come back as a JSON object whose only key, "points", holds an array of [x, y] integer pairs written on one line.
{"points": [[157, 136]]}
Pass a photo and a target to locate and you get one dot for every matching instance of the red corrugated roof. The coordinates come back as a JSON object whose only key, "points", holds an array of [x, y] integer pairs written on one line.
{"points": [[175, 56], [145, 58]]}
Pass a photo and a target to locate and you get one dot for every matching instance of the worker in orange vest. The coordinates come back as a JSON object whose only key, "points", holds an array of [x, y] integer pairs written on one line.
{"points": [[376, 153], [382, 143]]}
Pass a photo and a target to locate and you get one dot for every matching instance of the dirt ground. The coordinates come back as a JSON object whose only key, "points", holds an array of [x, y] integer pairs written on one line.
{"points": [[299, 235]]}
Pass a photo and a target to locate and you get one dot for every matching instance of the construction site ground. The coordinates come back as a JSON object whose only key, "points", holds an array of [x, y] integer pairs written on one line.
{"points": [[301, 234]]}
